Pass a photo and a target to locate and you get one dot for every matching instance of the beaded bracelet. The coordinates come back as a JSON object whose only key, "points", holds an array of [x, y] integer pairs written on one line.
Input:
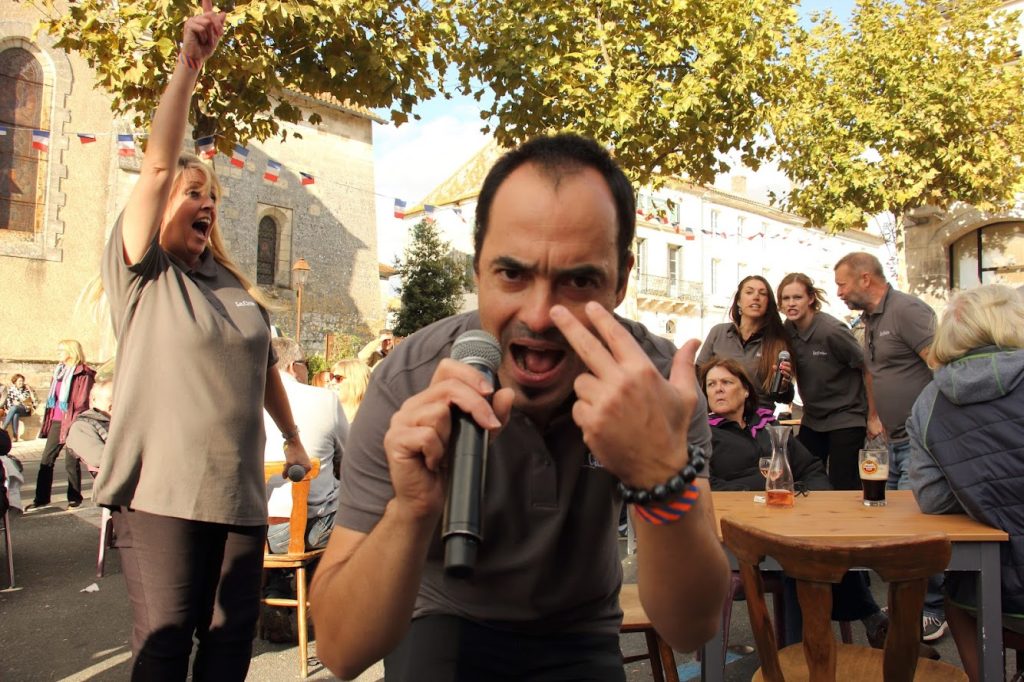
{"points": [[190, 62], [670, 501]]}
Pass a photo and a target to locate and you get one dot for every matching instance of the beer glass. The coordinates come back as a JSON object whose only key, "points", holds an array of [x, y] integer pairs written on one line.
{"points": [[874, 474]]}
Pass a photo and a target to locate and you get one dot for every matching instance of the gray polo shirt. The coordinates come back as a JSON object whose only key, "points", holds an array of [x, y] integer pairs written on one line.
{"points": [[894, 335], [828, 363], [549, 561], [186, 434], [724, 341]]}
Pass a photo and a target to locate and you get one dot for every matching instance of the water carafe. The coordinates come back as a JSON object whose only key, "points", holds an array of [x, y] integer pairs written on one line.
{"points": [[779, 481]]}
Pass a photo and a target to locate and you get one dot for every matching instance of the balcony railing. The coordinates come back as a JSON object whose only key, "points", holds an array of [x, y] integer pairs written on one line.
{"points": [[683, 290]]}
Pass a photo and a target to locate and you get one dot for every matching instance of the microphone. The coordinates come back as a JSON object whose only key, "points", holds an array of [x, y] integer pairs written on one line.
{"points": [[780, 382], [461, 529], [296, 473]]}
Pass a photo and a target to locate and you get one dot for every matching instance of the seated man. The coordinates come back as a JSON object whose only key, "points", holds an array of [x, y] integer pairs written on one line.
{"points": [[966, 430], [88, 433], [586, 400], [321, 421]]}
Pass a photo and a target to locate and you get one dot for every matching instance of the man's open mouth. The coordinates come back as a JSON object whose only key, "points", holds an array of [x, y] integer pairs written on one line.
{"points": [[536, 361]]}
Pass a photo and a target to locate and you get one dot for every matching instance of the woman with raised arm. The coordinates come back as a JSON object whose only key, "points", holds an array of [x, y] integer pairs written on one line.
{"points": [[183, 466]]}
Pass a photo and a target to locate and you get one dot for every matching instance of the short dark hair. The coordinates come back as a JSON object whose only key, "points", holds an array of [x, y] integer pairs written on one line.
{"points": [[556, 155], [734, 368]]}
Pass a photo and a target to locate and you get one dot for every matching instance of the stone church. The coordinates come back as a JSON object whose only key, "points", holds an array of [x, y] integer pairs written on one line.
{"points": [[60, 195]]}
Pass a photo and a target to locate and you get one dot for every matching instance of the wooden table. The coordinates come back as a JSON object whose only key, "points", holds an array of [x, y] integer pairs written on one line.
{"points": [[841, 515]]}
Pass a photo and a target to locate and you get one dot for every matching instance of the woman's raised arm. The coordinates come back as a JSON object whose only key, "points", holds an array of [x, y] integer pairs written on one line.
{"points": [[145, 209]]}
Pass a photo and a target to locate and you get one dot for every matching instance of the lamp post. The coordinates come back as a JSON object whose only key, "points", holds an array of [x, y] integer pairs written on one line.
{"points": [[300, 273]]}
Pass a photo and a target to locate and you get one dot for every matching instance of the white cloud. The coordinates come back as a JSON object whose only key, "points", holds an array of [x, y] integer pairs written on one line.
{"points": [[411, 160]]}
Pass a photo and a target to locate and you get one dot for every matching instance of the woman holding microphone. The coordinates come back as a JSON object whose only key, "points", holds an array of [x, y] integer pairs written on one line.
{"points": [[828, 362], [186, 481]]}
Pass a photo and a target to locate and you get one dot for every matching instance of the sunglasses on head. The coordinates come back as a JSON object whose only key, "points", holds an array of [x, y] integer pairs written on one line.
{"points": [[338, 378]]}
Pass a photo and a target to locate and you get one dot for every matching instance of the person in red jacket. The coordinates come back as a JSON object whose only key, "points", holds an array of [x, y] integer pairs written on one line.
{"points": [[68, 398]]}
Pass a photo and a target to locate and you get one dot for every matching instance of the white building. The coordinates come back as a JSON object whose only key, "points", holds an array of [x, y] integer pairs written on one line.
{"points": [[693, 246]]}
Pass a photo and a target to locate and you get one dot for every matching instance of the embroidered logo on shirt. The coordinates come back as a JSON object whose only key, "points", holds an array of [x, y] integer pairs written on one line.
{"points": [[245, 304], [884, 332], [592, 462], [819, 353]]}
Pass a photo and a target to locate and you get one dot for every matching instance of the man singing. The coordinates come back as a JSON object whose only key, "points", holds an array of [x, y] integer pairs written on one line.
{"points": [[586, 400]]}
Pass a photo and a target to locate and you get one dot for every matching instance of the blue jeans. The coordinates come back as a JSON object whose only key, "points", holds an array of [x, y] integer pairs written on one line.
{"points": [[899, 466], [13, 415], [318, 532]]}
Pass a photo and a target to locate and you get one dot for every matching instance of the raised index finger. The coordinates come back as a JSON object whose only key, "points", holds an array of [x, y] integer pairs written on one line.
{"points": [[590, 348], [207, 6]]}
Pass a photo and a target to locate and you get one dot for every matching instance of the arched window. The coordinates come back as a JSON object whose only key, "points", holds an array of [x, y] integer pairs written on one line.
{"points": [[992, 254], [266, 251], [21, 110]]}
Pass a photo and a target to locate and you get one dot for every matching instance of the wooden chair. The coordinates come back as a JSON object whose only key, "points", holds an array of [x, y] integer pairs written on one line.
{"points": [[663, 660], [904, 564], [297, 557]]}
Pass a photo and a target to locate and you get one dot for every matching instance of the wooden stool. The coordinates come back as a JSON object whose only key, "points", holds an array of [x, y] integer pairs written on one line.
{"points": [[663, 660]]}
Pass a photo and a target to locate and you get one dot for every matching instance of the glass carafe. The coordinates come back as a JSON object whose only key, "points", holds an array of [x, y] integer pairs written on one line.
{"points": [[779, 481]]}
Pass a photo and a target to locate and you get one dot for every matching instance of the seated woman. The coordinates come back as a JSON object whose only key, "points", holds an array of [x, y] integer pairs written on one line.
{"points": [[738, 439], [19, 401], [975, 404]]}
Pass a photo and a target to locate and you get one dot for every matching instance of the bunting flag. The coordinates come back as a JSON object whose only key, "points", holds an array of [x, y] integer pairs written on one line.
{"points": [[86, 138], [307, 179], [429, 209], [41, 140], [125, 145], [690, 234], [399, 209], [273, 171], [707, 232], [207, 149], [239, 156]]}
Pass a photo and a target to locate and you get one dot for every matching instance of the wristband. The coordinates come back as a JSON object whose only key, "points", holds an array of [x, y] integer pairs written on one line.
{"points": [[669, 501], [190, 62], [291, 434]]}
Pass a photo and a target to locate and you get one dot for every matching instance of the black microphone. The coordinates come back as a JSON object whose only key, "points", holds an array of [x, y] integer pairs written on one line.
{"points": [[780, 382], [296, 473], [461, 527]]}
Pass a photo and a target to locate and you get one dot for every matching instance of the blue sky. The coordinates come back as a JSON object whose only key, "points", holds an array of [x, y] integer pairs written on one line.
{"points": [[412, 159]]}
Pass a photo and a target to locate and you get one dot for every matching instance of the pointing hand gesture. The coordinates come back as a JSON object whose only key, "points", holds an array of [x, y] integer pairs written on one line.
{"points": [[633, 419], [202, 33]]}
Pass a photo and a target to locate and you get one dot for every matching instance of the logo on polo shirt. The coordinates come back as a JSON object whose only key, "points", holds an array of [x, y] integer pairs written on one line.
{"points": [[245, 304], [592, 462], [819, 353], [884, 332]]}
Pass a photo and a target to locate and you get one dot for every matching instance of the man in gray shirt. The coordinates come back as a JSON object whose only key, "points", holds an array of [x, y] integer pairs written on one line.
{"points": [[898, 332], [585, 400]]}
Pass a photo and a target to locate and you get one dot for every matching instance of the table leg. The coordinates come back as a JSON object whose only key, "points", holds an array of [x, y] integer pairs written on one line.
{"points": [[712, 657], [990, 625]]}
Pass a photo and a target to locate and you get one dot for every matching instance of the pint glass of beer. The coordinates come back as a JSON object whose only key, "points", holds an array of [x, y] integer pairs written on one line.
{"points": [[874, 473]]}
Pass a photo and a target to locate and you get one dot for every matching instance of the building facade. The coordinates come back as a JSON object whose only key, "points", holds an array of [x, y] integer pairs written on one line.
{"points": [[60, 196]]}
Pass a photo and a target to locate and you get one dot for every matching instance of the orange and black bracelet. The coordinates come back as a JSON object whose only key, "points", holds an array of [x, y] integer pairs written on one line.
{"points": [[190, 62], [670, 501]]}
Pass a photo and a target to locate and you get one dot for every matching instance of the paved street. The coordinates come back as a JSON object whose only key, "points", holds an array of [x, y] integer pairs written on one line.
{"points": [[53, 630]]}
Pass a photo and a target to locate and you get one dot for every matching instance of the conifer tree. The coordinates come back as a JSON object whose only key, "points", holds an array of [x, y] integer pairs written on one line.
{"points": [[432, 283]]}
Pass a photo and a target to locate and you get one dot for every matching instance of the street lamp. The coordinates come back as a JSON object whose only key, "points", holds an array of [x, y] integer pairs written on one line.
{"points": [[300, 273]]}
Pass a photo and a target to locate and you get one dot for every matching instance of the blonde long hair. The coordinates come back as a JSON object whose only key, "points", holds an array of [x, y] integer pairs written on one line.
{"points": [[219, 251], [353, 387]]}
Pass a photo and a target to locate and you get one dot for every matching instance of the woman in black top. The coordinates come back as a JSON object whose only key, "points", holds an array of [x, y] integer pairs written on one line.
{"points": [[738, 439], [739, 436]]}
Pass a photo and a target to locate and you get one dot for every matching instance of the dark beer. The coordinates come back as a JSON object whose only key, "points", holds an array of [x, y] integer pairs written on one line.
{"points": [[873, 478]]}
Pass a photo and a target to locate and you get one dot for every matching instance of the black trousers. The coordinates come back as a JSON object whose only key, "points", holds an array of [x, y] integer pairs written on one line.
{"points": [[837, 450], [44, 480], [451, 649], [190, 578]]}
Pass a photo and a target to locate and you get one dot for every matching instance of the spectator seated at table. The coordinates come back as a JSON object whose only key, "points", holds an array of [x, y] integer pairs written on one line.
{"points": [[739, 438], [966, 434]]}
